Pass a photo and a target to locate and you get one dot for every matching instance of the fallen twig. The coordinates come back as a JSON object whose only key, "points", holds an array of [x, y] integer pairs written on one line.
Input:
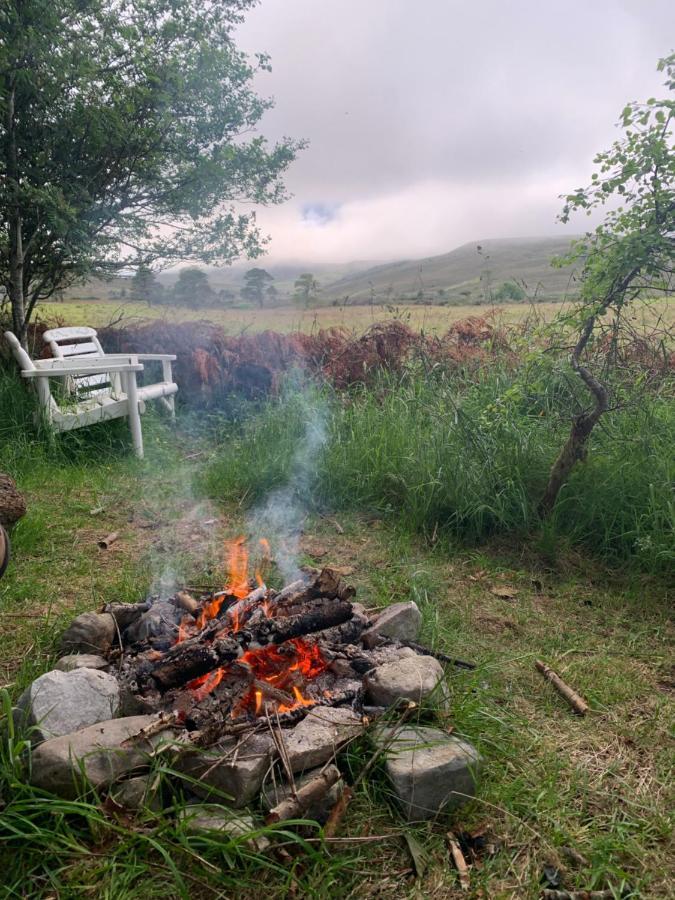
{"points": [[550, 894], [441, 657], [577, 702], [459, 861], [108, 540], [297, 804]]}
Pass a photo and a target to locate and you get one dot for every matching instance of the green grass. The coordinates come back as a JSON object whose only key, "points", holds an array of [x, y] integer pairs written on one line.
{"points": [[469, 459], [602, 785]]}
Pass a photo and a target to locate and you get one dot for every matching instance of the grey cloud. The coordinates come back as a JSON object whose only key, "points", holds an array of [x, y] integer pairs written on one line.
{"points": [[395, 95]]}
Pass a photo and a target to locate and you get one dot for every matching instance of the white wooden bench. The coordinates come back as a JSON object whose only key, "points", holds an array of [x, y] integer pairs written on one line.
{"points": [[97, 386]]}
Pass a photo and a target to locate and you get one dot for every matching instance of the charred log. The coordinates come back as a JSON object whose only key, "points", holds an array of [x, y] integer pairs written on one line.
{"points": [[195, 657]]}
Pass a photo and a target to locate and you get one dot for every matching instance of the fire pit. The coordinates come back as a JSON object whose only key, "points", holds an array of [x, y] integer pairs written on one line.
{"points": [[253, 692]]}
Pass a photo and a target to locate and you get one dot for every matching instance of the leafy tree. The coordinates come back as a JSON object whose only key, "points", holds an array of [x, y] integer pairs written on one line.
{"points": [[509, 290], [121, 139], [272, 294], [145, 286], [631, 254], [256, 284], [192, 288], [306, 288]]}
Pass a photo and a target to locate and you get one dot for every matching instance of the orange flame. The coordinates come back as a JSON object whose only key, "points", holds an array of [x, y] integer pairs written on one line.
{"points": [[238, 568]]}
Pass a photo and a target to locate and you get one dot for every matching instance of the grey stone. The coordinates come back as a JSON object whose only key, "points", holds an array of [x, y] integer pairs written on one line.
{"points": [[99, 751], [209, 817], [431, 772], [412, 678], [398, 622], [137, 793], [81, 661], [274, 792], [316, 739], [126, 613], [233, 768], [89, 633], [58, 702], [159, 621]]}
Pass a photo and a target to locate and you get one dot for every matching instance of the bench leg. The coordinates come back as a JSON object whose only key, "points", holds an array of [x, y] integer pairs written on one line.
{"points": [[134, 414]]}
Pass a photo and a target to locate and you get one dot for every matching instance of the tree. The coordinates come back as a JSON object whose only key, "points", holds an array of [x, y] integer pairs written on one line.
{"points": [[306, 288], [256, 283], [631, 254], [121, 139], [192, 288], [145, 286], [509, 290]]}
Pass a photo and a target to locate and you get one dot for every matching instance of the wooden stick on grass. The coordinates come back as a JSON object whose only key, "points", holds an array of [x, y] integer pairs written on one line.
{"points": [[459, 861], [577, 702]]}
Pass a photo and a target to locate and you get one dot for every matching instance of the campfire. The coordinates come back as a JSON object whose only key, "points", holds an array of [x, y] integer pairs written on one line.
{"points": [[248, 686], [244, 651]]}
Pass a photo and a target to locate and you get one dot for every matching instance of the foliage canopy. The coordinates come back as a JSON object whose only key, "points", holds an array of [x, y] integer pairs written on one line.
{"points": [[122, 140]]}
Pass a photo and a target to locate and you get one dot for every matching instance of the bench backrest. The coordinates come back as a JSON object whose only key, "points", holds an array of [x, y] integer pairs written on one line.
{"points": [[80, 342]]}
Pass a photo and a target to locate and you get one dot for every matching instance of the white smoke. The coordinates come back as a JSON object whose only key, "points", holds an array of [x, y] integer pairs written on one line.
{"points": [[281, 515]]}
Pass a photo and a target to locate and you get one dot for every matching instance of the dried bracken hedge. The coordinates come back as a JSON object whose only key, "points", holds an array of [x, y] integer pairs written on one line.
{"points": [[210, 363]]}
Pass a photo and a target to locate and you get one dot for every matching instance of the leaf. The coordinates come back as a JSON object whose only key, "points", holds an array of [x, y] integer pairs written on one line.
{"points": [[419, 855]]}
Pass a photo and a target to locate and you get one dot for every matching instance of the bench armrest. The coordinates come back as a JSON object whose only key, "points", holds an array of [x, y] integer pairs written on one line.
{"points": [[100, 368]]}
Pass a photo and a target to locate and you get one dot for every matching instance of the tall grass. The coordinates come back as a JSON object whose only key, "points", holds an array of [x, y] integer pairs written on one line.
{"points": [[469, 458]]}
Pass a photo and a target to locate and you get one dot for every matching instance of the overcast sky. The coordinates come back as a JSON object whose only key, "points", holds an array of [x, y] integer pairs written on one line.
{"points": [[436, 122]]}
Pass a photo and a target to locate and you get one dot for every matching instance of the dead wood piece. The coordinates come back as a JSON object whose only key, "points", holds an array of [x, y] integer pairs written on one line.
{"points": [[337, 813], [162, 722], [551, 894], [12, 503], [459, 861], [194, 657], [576, 701], [107, 542], [441, 657], [272, 693], [297, 804], [187, 602]]}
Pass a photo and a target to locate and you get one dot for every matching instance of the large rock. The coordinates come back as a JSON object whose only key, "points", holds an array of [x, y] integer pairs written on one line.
{"points": [[138, 793], [89, 633], [98, 751], [209, 817], [81, 661], [320, 734], [412, 678], [230, 772], [431, 772], [60, 702], [275, 792], [398, 622]]}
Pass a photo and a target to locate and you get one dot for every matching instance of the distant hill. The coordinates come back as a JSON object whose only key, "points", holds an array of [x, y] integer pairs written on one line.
{"points": [[464, 275], [284, 274]]}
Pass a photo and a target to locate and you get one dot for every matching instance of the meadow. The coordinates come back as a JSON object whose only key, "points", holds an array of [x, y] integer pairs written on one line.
{"points": [[285, 319]]}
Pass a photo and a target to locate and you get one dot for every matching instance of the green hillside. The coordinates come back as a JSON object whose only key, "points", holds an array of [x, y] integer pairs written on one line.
{"points": [[465, 275]]}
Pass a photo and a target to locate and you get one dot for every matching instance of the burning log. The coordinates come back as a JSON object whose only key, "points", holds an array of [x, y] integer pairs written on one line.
{"points": [[195, 657]]}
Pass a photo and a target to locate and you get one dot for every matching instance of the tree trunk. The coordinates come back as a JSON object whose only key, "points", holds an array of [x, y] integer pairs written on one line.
{"points": [[16, 293], [583, 424]]}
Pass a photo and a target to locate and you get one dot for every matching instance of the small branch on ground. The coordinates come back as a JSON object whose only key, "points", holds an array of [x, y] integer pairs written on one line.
{"points": [[576, 701]]}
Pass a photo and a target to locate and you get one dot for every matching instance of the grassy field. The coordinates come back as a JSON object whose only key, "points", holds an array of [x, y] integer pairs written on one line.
{"points": [[437, 319], [590, 796]]}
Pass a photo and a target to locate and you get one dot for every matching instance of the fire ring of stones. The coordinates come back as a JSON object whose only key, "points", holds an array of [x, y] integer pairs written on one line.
{"points": [[249, 694]]}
